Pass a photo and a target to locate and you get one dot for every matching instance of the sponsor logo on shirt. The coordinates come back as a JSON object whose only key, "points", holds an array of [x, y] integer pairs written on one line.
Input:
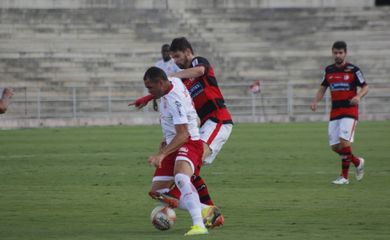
{"points": [[340, 86], [196, 89]]}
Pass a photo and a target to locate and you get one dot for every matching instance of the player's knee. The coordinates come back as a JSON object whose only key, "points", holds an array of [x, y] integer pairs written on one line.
{"points": [[336, 147]]}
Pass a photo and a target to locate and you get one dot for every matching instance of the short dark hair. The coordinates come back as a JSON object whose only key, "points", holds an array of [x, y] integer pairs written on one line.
{"points": [[181, 44], [154, 74], [340, 45], [165, 47]]}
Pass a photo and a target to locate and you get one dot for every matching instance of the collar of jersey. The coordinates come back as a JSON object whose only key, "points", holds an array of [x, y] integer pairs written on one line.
{"points": [[169, 89]]}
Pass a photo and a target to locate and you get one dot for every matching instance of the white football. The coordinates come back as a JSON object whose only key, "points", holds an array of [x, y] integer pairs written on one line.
{"points": [[163, 217]]}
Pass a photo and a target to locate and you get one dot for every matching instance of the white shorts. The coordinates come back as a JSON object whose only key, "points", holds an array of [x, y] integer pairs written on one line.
{"points": [[341, 128], [215, 135]]}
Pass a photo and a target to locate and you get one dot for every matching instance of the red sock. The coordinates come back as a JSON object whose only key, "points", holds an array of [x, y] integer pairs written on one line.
{"points": [[345, 167], [345, 162], [347, 151], [202, 189]]}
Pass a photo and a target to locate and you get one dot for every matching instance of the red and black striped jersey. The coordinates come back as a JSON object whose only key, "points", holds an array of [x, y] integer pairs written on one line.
{"points": [[343, 82], [208, 99]]}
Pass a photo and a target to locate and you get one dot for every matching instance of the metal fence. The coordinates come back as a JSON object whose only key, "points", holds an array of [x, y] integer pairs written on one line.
{"points": [[275, 102]]}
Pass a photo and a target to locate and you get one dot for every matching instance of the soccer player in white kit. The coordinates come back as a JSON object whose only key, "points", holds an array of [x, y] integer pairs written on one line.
{"points": [[180, 154], [167, 63]]}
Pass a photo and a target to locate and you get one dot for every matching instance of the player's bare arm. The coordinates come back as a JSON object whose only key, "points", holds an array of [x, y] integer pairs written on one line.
{"points": [[363, 91], [180, 138], [190, 72], [163, 144], [320, 94], [5, 99]]}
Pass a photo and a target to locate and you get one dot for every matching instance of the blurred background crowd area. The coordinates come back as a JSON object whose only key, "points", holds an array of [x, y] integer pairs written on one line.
{"points": [[79, 62]]}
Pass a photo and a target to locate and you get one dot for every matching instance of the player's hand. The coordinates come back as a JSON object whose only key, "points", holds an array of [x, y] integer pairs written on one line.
{"points": [[313, 106], [355, 100], [156, 160], [8, 92], [141, 102]]}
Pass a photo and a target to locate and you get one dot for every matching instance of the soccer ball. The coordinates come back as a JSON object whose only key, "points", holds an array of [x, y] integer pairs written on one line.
{"points": [[163, 217]]}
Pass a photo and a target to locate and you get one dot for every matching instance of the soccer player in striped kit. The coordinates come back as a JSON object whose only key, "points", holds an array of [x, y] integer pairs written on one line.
{"points": [[343, 80]]}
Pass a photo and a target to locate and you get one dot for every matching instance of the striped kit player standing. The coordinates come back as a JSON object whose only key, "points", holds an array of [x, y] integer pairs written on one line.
{"points": [[343, 80]]}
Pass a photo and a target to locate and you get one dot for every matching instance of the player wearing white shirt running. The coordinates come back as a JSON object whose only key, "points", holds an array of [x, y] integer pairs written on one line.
{"points": [[167, 63], [180, 154]]}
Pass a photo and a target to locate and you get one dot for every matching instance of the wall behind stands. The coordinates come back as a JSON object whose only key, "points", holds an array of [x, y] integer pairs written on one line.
{"points": [[151, 4]]}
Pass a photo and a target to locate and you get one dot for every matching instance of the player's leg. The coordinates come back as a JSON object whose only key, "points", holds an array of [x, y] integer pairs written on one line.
{"points": [[334, 142], [206, 151], [214, 135], [341, 134], [174, 192], [185, 165], [165, 193], [347, 132], [163, 180]]}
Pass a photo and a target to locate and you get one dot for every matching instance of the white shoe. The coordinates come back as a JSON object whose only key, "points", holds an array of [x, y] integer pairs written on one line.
{"points": [[360, 170], [340, 180]]}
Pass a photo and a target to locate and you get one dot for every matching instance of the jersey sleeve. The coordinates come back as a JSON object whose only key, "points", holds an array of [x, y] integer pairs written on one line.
{"points": [[360, 81], [201, 61], [323, 80], [177, 111]]}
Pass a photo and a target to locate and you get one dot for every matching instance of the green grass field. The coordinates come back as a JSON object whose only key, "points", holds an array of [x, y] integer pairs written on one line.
{"points": [[272, 181]]}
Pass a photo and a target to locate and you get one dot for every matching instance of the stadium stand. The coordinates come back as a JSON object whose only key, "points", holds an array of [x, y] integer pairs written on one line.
{"points": [[104, 46]]}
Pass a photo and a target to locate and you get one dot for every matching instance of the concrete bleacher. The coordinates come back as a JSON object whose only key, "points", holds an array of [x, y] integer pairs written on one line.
{"points": [[106, 45]]}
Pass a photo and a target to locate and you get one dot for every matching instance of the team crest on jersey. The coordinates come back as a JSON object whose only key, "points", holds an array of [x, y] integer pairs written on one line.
{"points": [[183, 150], [346, 77]]}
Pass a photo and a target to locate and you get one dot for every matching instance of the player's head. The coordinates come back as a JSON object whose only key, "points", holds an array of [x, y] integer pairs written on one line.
{"points": [[156, 81], [339, 51], [181, 52], [165, 52]]}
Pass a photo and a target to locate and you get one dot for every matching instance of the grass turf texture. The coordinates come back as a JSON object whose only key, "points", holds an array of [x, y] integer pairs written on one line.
{"points": [[272, 181]]}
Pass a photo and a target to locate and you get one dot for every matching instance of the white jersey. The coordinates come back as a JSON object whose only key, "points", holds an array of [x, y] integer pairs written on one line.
{"points": [[168, 67], [176, 107]]}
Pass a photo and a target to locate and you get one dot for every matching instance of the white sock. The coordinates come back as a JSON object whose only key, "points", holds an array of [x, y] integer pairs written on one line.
{"points": [[189, 198], [183, 206]]}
